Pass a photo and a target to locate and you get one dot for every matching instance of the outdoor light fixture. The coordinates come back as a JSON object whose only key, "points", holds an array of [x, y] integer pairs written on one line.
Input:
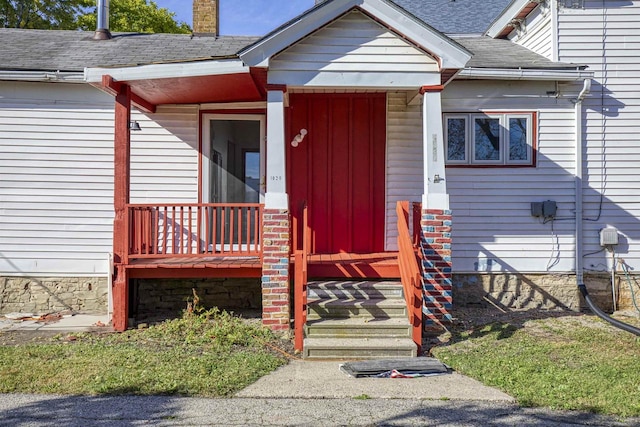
{"points": [[299, 138], [134, 125]]}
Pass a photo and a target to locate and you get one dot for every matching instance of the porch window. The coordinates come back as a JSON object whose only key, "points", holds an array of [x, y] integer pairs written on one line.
{"points": [[490, 139]]}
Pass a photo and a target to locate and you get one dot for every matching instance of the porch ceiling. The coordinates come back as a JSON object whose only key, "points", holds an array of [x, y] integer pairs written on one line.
{"points": [[197, 90], [232, 87]]}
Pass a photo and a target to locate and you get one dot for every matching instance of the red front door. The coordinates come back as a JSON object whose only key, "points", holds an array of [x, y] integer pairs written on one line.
{"points": [[339, 169]]}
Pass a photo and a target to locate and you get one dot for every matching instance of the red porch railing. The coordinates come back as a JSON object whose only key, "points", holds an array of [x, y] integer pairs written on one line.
{"points": [[194, 230], [410, 272], [300, 279]]}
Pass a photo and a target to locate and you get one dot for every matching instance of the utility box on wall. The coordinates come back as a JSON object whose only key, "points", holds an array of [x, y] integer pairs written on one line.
{"points": [[546, 209], [608, 236]]}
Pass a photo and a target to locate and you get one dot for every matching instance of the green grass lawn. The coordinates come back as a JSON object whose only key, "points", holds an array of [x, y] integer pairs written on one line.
{"points": [[572, 362], [212, 354]]}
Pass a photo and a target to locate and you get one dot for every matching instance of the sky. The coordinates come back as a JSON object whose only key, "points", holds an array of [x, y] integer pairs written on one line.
{"points": [[244, 17]]}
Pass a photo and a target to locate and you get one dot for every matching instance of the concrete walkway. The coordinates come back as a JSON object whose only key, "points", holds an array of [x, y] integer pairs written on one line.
{"points": [[66, 323], [325, 380]]}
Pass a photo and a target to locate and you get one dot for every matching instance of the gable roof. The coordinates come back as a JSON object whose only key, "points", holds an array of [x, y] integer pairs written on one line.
{"points": [[449, 53], [456, 16]]}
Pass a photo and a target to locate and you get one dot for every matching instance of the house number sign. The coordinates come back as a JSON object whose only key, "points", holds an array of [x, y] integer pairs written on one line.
{"points": [[434, 142]]}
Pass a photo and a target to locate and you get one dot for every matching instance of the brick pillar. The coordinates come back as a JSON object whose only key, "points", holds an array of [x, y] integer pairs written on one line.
{"points": [[206, 16], [436, 249], [275, 269]]}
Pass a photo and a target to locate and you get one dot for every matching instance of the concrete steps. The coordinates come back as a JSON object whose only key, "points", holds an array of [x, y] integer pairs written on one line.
{"points": [[357, 320]]}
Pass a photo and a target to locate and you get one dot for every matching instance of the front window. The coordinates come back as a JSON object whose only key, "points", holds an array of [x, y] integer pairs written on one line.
{"points": [[489, 138]]}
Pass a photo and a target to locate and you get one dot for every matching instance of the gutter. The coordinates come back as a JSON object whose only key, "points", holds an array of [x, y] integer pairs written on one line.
{"points": [[164, 71], [524, 74], [43, 76]]}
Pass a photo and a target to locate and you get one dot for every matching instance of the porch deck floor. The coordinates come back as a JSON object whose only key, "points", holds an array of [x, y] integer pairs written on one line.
{"points": [[349, 265], [340, 265]]}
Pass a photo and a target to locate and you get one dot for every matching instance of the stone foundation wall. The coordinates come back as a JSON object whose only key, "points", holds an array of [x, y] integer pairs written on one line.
{"points": [[50, 295], [162, 298], [533, 291]]}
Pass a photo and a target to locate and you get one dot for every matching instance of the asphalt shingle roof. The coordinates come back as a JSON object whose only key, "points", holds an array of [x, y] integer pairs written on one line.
{"points": [[30, 50], [501, 53], [456, 16], [75, 50]]}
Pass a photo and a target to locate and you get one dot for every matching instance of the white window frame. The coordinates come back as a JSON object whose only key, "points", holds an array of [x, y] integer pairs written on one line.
{"points": [[466, 138], [206, 148], [530, 141], [470, 141], [501, 132]]}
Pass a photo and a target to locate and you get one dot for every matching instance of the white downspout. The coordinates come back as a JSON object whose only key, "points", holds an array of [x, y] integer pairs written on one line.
{"points": [[578, 180]]}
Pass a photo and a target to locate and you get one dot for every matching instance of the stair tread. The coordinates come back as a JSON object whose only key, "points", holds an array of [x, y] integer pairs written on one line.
{"points": [[354, 284], [359, 321], [359, 343], [358, 302]]}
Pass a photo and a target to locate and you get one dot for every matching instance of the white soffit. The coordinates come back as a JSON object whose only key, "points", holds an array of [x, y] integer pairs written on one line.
{"points": [[166, 71], [450, 53], [503, 20]]}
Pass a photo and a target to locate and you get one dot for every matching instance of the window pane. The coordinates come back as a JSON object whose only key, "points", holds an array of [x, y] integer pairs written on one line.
{"points": [[487, 139], [518, 149], [456, 135]]}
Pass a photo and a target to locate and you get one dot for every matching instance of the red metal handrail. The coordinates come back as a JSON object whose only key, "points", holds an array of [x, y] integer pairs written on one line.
{"points": [[410, 273], [194, 230], [300, 280]]}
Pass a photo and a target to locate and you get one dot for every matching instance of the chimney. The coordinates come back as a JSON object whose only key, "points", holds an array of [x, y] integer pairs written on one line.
{"points": [[102, 27], [206, 17]]}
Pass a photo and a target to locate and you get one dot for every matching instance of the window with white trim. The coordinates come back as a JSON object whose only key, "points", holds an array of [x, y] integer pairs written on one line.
{"points": [[489, 138]]}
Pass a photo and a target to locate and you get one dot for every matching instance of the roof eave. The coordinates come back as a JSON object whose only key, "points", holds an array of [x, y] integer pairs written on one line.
{"points": [[504, 19], [42, 76], [524, 74], [170, 70]]}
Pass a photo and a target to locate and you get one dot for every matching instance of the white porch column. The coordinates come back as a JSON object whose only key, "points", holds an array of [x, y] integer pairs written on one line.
{"points": [[276, 195], [435, 188]]}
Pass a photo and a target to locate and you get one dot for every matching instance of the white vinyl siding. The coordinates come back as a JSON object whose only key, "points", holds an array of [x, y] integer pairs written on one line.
{"points": [[538, 35], [404, 159], [56, 179], [56, 175], [608, 41], [353, 51], [493, 229], [164, 156]]}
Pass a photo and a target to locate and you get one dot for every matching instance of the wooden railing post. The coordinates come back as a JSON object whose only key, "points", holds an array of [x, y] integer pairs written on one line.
{"points": [[300, 283], [410, 273]]}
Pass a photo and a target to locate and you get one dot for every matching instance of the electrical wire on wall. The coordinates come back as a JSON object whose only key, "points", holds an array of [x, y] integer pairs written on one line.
{"points": [[604, 71], [554, 258], [630, 282]]}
